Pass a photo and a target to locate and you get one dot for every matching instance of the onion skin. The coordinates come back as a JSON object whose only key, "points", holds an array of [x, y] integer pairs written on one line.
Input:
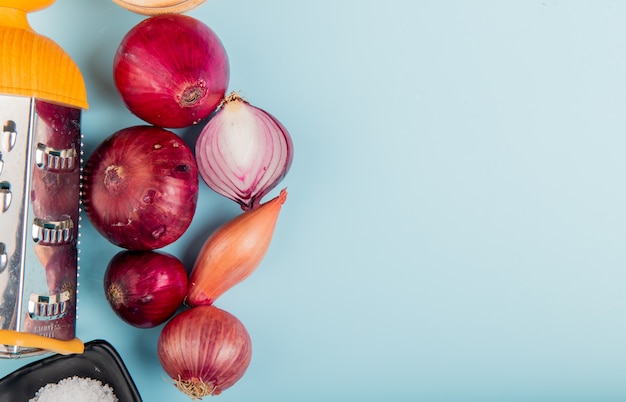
{"points": [[205, 350], [243, 152], [171, 70], [233, 252], [154, 7], [140, 188], [145, 288]]}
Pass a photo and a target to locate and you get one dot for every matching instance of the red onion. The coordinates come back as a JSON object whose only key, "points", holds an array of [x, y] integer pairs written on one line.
{"points": [[243, 152], [140, 188], [145, 288], [205, 350], [171, 70]]}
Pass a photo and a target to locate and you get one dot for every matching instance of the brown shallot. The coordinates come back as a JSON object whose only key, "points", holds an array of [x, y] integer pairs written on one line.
{"points": [[233, 252]]}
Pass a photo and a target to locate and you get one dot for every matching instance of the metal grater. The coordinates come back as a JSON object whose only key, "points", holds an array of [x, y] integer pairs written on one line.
{"points": [[40, 148]]}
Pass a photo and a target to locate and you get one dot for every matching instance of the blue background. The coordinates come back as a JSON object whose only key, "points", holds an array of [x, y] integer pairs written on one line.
{"points": [[455, 224]]}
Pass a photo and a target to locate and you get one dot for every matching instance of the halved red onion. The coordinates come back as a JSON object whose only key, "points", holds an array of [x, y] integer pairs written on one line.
{"points": [[243, 152]]}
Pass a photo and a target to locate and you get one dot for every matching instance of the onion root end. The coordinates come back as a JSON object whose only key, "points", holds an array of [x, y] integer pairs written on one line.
{"points": [[196, 389]]}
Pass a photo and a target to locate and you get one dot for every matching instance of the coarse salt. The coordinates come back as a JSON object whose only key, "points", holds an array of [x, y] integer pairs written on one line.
{"points": [[75, 389]]}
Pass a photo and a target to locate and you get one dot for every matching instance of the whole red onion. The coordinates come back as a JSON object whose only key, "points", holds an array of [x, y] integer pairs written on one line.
{"points": [[243, 152], [205, 350], [140, 188], [145, 288], [171, 70]]}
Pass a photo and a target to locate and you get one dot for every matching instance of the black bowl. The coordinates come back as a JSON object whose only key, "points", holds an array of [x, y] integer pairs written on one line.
{"points": [[100, 361]]}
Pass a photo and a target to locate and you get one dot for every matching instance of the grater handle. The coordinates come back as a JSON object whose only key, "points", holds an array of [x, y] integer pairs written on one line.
{"points": [[27, 340]]}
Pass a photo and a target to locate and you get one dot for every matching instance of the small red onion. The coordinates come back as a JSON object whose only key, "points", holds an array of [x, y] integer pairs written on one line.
{"points": [[145, 288], [171, 70], [205, 350], [243, 152], [140, 188]]}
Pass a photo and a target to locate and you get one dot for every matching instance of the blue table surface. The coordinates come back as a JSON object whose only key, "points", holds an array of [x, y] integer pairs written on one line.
{"points": [[455, 225]]}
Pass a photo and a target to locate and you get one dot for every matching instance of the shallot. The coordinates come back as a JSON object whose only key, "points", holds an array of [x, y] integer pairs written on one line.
{"points": [[204, 350], [243, 152], [233, 252]]}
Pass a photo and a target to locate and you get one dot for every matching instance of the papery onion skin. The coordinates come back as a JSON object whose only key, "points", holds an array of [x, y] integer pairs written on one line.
{"points": [[205, 350], [171, 70], [154, 7], [145, 288], [233, 252], [140, 188], [243, 152]]}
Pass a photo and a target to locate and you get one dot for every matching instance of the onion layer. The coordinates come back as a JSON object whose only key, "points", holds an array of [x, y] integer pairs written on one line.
{"points": [[145, 288], [140, 188], [171, 70], [243, 152], [205, 350]]}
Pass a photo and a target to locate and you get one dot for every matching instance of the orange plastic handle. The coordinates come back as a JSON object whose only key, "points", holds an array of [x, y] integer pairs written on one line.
{"points": [[34, 65], [26, 5], [28, 340]]}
